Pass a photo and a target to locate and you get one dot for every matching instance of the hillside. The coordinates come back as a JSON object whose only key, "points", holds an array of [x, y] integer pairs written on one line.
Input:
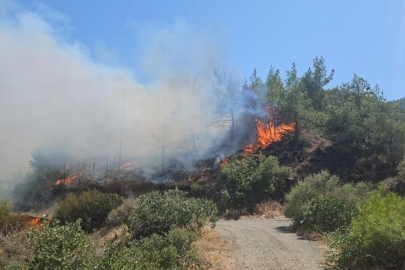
{"points": [[402, 102]]}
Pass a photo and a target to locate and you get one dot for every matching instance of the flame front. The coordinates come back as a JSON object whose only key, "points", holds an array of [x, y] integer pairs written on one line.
{"points": [[127, 165], [267, 133], [69, 180], [224, 162], [36, 221]]}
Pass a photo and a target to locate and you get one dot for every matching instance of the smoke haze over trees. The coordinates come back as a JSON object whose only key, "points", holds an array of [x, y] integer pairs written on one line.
{"points": [[55, 95]]}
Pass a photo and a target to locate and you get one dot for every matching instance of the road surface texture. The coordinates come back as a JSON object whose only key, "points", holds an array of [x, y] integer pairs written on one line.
{"points": [[270, 244]]}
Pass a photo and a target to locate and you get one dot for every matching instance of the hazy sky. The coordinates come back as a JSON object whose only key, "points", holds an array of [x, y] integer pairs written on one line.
{"points": [[366, 37]]}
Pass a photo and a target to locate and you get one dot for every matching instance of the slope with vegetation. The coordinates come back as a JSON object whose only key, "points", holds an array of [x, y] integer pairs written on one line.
{"points": [[330, 174], [159, 233]]}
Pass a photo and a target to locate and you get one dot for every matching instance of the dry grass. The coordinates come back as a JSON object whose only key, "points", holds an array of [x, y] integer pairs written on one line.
{"points": [[269, 210], [102, 238], [214, 250], [14, 250]]}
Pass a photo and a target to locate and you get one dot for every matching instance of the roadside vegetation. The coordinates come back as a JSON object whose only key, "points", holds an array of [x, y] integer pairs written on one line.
{"points": [[159, 233], [251, 180], [364, 227]]}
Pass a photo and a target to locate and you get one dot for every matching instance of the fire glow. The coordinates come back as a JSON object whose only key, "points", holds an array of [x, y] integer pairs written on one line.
{"points": [[35, 222], [69, 180], [267, 133], [127, 165]]}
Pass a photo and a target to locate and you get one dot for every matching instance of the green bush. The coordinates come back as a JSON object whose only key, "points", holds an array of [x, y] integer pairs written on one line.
{"points": [[314, 189], [158, 213], [254, 179], [311, 187], [173, 250], [59, 247], [327, 214], [121, 214], [91, 207], [197, 189], [376, 238]]}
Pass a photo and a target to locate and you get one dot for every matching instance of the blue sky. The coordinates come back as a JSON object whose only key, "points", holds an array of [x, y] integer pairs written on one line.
{"points": [[366, 37]]}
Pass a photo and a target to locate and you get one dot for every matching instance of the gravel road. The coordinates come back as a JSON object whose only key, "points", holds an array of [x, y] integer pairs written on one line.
{"points": [[269, 244]]}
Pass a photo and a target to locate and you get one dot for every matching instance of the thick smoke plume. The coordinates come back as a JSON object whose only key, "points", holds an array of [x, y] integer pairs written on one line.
{"points": [[56, 98]]}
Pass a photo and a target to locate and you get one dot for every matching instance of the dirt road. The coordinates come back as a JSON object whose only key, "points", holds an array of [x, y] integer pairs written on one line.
{"points": [[269, 244]]}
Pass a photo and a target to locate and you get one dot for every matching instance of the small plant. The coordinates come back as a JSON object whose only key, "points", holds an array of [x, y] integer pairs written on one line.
{"points": [[327, 215], [91, 207], [313, 199], [158, 213], [376, 238], [173, 250], [59, 247], [311, 187], [197, 189]]}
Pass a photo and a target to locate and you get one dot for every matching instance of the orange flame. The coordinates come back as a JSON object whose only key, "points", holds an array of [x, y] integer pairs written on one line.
{"points": [[127, 165], [224, 162], [36, 221], [267, 134], [68, 180]]}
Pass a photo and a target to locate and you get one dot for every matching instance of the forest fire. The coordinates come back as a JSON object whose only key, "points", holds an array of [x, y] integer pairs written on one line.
{"points": [[69, 180], [35, 222], [127, 165], [267, 133], [224, 162]]}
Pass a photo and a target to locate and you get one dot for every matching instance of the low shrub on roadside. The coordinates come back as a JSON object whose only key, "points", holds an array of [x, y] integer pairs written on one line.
{"points": [[376, 238], [59, 247], [313, 186], [158, 213], [173, 250], [253, 179], [327, 215], [312, 201], [91, 207]]}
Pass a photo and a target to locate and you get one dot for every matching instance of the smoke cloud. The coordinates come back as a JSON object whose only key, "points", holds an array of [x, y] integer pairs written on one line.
{"points": [[54, 95]]}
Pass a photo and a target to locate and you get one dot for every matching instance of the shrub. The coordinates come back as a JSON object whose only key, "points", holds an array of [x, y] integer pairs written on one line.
{"points": [[91, 207], [121, 214], [254, 179], [197, 189], [327, 214], [59, 247], [173, 250], [376, 238], [158, 213], [314, 189]]}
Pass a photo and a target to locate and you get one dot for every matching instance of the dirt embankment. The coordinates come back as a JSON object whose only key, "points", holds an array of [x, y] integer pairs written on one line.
{"points": [[269, 244]]}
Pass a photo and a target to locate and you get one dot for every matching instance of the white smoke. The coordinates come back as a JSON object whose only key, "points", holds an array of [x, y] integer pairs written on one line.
{"points": [[53, 94]]}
